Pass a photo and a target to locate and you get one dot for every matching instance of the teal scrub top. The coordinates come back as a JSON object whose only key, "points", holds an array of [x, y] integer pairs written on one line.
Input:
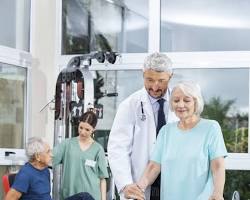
{"points": [[82, 170], [185, 158]]}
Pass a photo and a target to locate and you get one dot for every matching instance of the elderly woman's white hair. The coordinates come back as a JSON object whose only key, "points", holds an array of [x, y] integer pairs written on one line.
{"points": [[35, 145], [192, 89], [158, 62]]}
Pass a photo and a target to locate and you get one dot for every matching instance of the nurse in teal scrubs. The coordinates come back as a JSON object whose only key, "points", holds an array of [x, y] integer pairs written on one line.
{"points": [[83, 161], [189, 153]]}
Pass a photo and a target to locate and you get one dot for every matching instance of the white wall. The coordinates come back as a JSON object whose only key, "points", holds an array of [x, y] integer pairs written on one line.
{"points": [[43, 69]]}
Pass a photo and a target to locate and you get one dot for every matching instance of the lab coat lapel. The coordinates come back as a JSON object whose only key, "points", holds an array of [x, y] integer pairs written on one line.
{"points": [[150, 121]]}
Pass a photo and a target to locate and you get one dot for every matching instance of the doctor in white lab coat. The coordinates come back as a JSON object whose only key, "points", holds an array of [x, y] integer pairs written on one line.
{"points": [[133, 133]]}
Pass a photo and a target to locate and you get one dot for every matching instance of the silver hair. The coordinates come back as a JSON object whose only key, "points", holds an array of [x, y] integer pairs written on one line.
{"points": [[158, 62], [192, 89], [34, 146]]}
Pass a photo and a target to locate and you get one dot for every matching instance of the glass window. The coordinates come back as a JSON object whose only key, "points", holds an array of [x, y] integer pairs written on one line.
{"points": [[15, 23], [123, 83], [237, 180], [205, 25], [109, 25], [12, 105], [226, 95]]}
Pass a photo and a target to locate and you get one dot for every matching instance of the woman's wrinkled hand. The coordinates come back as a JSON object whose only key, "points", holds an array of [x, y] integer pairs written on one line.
{"points": [[133, 191]]}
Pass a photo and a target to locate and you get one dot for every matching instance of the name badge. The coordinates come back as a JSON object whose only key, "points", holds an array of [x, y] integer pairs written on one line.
{"points": [[90, 163]]}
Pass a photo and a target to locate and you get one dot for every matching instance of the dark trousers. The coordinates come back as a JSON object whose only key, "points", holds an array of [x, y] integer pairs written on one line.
{"points": [[81, 196], [155, 189]]}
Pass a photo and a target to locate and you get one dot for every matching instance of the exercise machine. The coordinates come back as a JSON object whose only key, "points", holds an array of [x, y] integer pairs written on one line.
{"points": [[74, 95]]}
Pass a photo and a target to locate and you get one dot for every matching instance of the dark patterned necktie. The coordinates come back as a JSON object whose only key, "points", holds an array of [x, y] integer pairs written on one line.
{"points": [[161, 121]]}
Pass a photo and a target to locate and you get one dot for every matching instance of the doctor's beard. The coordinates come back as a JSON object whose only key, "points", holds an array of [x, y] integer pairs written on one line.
{"points": [[156, 94]]}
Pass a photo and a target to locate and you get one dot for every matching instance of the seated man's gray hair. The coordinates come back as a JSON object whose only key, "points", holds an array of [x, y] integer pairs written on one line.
{"points": [[158, 62], [34, 146]]}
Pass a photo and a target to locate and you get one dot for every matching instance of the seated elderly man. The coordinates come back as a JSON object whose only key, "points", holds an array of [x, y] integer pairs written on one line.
{"points": [[33, 179]]}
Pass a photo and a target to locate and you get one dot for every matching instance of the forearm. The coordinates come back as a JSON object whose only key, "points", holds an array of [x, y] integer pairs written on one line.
{"points": [[150, 174], [218, 172], [121, 141], [57, 154], [103, 188], [120, 165], [219, 181], [13, 195], [136, 190]]}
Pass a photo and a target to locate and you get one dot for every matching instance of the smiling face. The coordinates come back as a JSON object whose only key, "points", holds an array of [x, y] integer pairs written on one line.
{"points": [[182, 104], [85, 130], [156, 83]]}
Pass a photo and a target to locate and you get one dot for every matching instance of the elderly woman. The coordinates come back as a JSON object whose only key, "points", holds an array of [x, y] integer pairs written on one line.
{"points": [[189, 153], [33, 179]]}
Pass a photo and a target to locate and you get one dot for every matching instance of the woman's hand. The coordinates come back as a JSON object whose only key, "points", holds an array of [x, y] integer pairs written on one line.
{"points": [[216, 197], [133, 191]]}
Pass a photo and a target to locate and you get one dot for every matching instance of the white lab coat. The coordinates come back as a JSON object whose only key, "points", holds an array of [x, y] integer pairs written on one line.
{"points": [[131, 139]]}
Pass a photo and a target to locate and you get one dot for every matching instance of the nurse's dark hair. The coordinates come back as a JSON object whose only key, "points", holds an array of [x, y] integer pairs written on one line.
{"points": [[89, 117]]}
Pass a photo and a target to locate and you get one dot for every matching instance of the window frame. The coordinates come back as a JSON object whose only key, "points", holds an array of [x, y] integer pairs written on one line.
{"points": [[22, 59]]}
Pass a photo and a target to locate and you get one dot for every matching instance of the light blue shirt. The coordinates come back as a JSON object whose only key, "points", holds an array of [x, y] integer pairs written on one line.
{"points": [[155, 105], [185, 158]]}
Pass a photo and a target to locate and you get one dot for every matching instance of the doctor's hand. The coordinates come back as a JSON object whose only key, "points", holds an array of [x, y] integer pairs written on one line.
{"points": [[133, 191]]}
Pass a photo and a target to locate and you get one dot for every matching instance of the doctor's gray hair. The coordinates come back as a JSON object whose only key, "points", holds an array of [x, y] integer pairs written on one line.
{"points": [[192, 89], [35, 145], [158, 62]]}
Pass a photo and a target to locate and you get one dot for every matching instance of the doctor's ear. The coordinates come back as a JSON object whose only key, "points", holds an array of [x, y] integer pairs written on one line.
{"points": [[171, 75]]}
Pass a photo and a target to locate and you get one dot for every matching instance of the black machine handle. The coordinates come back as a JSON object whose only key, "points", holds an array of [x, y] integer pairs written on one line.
{"points": [[113, 94], [7, 153]]}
